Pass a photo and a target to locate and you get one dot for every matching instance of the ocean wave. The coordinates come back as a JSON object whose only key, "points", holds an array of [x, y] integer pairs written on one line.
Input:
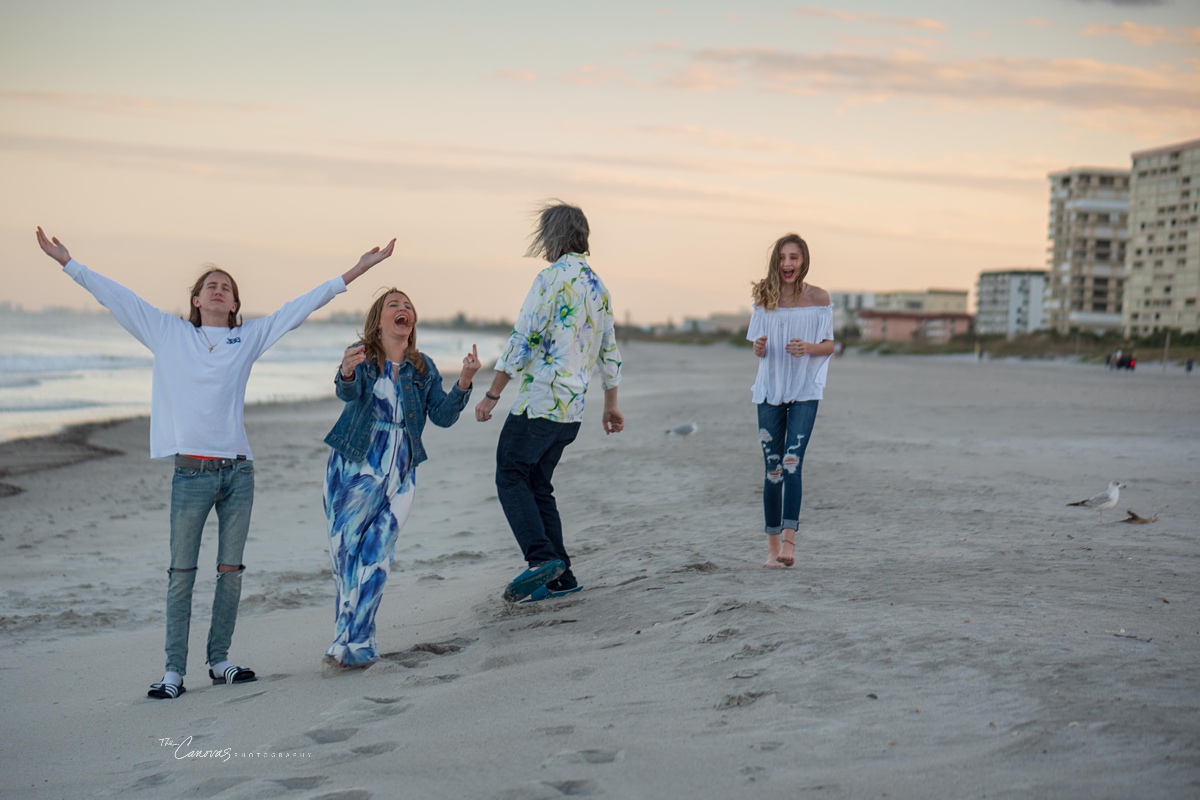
{"points": [[18, 381], [37, 406], [59, 364]]}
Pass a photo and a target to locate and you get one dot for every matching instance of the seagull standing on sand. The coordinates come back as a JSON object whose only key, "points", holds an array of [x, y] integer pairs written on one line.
{"points": [[686, 429], [1105, 500]]}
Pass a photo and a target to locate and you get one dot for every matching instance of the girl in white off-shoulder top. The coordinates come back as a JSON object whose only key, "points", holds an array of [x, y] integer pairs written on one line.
{"points": [[792, 331]]}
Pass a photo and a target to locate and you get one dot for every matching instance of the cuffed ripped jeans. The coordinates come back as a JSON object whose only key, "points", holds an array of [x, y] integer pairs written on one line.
{"points": [[194, 493], [526, 454], [784, 431]]}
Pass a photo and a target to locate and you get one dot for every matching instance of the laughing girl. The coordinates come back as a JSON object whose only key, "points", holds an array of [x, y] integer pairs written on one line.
{"points": [[792, 331], [390, 388]]}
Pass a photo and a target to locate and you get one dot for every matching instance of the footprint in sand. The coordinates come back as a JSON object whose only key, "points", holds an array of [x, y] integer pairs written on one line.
{"points": [[348, 794], [753, 651], [705, 566], [377, 749], [583, 788], [301, 784], [330, 735], [741, 699], [151, 781], [418, 654], [549, 790], [364, 711], [244, 698], [430, 680], [583, 757]]}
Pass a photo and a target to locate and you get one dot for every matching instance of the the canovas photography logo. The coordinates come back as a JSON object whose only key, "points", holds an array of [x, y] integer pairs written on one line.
{"points": [[183, 749]]}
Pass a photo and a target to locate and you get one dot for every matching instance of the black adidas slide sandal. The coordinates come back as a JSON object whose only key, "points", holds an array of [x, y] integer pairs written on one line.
{"points": [[165, 691], [233, 675]]}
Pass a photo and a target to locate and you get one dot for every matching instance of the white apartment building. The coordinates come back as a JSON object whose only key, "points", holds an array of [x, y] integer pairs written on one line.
{"points": [[1089, 209], [1163, 275], [1009, 302], [846, 307]]}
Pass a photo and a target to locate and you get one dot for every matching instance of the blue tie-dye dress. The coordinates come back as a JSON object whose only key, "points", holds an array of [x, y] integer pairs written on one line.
{"points": [[366, 505]]}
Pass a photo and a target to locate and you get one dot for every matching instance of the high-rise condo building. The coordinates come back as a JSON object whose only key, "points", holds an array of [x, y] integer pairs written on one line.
{"points": [[1010, 302], [1088, 230], [1163, 276]]}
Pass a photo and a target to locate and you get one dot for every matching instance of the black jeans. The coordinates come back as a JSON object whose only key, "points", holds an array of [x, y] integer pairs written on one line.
{"points": [[526, 455]]}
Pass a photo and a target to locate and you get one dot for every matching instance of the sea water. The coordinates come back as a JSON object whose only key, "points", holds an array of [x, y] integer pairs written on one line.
{"points": [[60, 368]]}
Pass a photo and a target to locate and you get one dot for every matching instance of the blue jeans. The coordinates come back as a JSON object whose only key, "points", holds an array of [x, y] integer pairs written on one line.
{"points": [[526, 455], [784, 431], [194, 493]]}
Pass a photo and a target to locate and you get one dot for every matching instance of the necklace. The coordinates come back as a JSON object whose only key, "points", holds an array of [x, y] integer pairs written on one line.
{"points": [[211, 346], [793, 299]]}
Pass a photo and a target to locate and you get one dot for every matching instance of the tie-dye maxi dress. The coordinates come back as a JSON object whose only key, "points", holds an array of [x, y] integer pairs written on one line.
{"points": [[366, 505]]}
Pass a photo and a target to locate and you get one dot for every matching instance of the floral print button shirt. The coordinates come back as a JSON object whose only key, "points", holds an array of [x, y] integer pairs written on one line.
{"points": [[565, 328]]}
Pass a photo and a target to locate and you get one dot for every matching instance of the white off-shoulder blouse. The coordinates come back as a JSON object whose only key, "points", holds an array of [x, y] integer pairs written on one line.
{"points": [[782, 377]]}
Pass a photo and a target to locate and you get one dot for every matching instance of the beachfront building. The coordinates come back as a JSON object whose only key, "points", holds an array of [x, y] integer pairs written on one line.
{"points": [[1009, 302], [846, 308], [717, 323], [1163, 274], [1089, 208], [937, 327], [930, 301]]}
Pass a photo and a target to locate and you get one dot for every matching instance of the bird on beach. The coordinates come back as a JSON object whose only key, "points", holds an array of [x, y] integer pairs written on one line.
{"points": [[1104, 500], [686, 429]]}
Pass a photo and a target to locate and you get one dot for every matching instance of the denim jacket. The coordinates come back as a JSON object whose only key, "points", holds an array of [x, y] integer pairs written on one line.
{"points": [[421, 393]]}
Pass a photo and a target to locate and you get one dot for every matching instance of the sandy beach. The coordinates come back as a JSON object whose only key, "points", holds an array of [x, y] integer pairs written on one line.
{"points": [[951, 629]]}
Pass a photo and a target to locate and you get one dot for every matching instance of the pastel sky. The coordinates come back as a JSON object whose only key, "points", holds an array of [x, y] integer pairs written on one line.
{"points": [[907, 142]]}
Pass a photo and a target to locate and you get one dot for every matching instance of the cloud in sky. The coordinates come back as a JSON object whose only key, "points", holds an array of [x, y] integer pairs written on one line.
{"points": [[1146, 35], [131, 105], [415, 171], [1056, 82], [882, 42], [873, 18], [814, 159]]}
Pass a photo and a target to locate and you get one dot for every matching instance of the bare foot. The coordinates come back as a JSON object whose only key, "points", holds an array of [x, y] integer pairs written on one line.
{"points": [[331, 666], [787, 557], [772, 552]]}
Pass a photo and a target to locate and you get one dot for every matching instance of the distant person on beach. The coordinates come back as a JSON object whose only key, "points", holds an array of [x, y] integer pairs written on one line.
{"points": [[792, 331], [565, 328], [390, 388], [201, 366]]}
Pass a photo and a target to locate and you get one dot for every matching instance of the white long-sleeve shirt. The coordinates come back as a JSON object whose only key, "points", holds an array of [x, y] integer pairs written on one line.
{"points": [[197, 395]]}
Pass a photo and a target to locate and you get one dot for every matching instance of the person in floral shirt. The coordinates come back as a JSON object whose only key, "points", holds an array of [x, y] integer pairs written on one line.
{"points": [[564, 330]]}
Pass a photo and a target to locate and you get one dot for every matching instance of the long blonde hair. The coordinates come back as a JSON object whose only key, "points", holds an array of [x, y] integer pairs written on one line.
{"points": [[766, 292], [373, 340]]}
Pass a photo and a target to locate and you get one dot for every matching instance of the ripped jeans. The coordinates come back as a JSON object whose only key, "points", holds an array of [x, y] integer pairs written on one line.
{"points": [[194, 493], [784, 431]]}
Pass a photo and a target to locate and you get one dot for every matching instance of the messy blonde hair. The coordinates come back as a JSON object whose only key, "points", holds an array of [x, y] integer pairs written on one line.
{"points": [[766, 292], [373, 340]]}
